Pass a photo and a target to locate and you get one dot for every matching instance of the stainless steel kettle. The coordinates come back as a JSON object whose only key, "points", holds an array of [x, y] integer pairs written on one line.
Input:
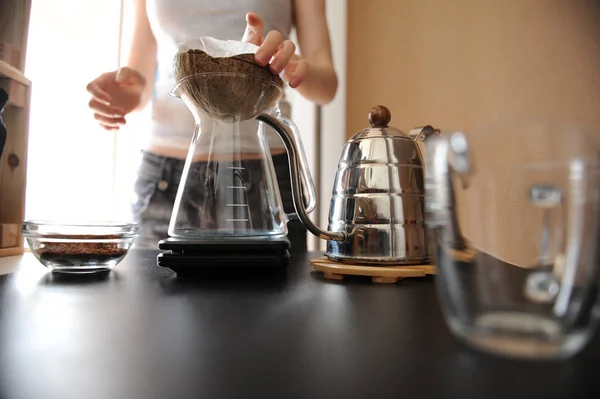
{"points": [[377, 209]]}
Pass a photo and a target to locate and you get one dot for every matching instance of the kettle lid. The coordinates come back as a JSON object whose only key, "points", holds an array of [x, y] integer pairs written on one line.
{"points": [[379, 119]]}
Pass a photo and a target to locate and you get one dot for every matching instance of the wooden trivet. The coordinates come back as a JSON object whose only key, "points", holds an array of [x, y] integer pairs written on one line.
{"points": [[379, 274]]}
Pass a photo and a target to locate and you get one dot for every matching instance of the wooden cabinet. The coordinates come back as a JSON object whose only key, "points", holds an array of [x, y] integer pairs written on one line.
{"points": [[14, 26]]}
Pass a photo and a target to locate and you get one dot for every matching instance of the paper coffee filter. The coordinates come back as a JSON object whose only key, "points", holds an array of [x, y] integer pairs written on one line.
{"points": [[217, 48]]}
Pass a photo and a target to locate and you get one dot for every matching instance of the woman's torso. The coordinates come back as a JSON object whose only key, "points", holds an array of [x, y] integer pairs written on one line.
{"points": [[175, 21]]}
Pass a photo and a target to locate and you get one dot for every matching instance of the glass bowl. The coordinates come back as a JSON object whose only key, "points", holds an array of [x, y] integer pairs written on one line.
{"points": [[79, 248]]}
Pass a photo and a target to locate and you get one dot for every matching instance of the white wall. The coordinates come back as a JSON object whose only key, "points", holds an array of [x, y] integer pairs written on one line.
{"points": [[324, 128], [304, 114], [332, 132]]}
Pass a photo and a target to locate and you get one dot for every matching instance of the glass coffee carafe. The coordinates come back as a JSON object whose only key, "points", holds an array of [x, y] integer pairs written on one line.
{"points": [[228, 205]]}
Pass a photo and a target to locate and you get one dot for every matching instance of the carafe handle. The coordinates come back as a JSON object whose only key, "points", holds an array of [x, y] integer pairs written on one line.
{"points": [[310, 195], [288, 132]]}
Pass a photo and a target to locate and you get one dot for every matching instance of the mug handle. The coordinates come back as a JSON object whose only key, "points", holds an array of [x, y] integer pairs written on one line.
{"points": [[572, 261]]}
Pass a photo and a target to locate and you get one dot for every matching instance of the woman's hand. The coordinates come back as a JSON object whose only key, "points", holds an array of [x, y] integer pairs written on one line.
{"points": [[273, 49], [114, 95]]}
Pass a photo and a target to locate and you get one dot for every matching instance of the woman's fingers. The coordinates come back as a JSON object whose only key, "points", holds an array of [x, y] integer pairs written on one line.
{"points": [[299, 71], [105, 110], [282, 57], [108, 122], [272, 45], [108, 116], [269, 46], [96, 89], [254, 29], [109, 128]]}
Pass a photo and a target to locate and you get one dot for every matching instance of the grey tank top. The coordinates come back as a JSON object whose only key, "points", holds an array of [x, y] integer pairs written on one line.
{"points": [[175, 21]]}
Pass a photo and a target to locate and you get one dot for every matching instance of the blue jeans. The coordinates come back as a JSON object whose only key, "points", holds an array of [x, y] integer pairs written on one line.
{"points": [[156, 188]]}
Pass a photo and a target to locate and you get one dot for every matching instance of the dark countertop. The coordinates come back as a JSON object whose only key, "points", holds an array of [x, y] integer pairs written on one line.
{"points": [[142, 332]]}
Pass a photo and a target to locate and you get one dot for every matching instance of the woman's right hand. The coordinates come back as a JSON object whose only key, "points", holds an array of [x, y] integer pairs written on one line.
{"points": [[114, 95]]}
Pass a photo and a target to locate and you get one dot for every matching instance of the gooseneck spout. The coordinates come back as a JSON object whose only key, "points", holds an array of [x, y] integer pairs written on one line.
{"points": [[286, 134]]}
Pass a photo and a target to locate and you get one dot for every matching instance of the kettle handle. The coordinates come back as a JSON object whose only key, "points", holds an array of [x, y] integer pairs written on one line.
{"points": [[422, 132], [287, 131]]}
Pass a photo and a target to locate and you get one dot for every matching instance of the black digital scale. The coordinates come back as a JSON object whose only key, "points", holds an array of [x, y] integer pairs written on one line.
{"points": [[188, 256]]}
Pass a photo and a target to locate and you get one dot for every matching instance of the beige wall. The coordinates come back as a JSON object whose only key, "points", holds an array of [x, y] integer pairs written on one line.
{"points": [[465, 64]]}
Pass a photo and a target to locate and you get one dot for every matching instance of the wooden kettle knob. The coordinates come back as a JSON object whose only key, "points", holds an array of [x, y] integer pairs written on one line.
{"points": [[379, 116]]}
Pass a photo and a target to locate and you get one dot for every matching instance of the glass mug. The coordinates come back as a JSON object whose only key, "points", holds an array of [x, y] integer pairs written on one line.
{"points": [[514, 215]]}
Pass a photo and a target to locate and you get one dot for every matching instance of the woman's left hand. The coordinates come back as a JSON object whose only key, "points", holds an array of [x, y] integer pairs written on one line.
{"points": [[274, 49]]}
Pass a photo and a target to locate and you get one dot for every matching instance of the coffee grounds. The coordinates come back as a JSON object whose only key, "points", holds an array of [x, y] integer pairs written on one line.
{"points": [[241, 89], [82, 248]]}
